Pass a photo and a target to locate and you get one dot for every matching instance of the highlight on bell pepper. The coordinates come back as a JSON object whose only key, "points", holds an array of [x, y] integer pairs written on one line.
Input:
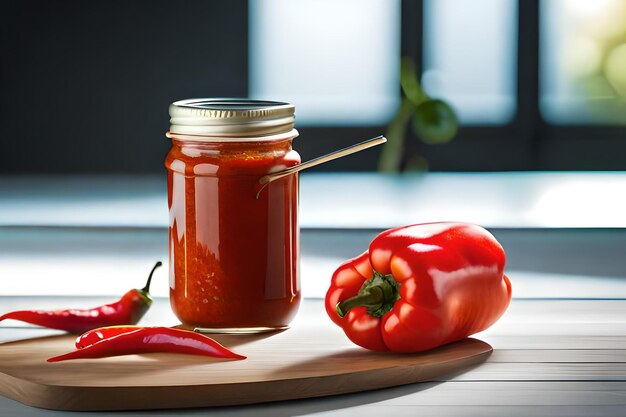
{"points": [[419, 287]]}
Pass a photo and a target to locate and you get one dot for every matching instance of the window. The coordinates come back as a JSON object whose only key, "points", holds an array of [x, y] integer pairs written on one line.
{"points": [[500, 63], [583, 61], [338, 60], [472, 66]]}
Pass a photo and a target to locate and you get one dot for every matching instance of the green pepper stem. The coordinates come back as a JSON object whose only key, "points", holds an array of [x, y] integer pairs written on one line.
{"points": [[146, 289], [378, 295], [373, 298]]}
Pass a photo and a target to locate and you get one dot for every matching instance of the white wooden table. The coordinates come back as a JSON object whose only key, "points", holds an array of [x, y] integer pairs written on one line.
{"points": [[551, 357]]}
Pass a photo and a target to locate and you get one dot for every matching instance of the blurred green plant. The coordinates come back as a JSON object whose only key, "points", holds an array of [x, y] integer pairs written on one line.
{"points": [[433, 121]]}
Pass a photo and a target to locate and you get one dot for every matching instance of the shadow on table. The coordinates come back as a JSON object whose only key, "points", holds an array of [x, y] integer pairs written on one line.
{"points": [[455, 358]]}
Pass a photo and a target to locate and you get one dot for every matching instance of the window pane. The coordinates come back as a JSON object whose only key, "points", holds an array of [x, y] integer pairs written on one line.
{"points": [[583, 61], [337, 61], [470, 57]]}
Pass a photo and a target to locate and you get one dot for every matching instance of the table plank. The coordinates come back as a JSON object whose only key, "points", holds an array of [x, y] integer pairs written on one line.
{"points": [[482, 410], [559, 342], [514, 393], [558, 355], [543, 372]]}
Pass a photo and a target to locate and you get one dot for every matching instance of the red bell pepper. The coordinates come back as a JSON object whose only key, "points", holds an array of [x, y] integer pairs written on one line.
{"points": [[419, 287]]}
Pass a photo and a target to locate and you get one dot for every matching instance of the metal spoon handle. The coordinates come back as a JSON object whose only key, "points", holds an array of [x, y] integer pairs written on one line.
{"points": [[324, 158]]}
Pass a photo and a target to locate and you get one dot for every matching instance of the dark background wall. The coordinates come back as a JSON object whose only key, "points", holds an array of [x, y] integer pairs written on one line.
{"points": [[85, 86]]}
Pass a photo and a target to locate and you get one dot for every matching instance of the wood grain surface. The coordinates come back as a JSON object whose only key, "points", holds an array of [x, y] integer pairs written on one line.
{"points": [[302, 362]]}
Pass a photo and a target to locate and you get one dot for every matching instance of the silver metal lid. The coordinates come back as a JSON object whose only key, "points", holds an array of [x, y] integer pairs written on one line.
{"points": [[230, 117]]}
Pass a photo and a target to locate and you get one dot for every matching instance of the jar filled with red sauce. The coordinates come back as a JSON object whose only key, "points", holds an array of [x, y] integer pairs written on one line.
{"points": [[234, 255]]}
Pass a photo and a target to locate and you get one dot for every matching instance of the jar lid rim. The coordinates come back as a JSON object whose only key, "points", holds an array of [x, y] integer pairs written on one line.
{"points": [[231, 116], [230, 103]]}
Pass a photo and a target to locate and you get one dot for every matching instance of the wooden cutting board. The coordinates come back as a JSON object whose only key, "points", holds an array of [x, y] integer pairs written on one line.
{"points": [[305, 361]]}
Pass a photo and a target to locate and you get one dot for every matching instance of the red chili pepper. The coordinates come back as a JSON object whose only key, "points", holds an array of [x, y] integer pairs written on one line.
{"points": [[128, 310], [150, 340], [95, 335], [419, 287]]}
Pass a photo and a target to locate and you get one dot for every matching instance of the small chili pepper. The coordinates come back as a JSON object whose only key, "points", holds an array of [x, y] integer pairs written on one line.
{"points": [[151, 340], [419, 287], [95, 335], [128, 310]]}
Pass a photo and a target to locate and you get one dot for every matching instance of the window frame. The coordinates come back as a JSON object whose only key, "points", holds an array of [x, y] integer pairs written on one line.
{"points": [[528, 142]]}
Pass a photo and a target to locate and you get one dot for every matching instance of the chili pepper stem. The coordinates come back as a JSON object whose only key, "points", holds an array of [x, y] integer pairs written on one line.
{"points": [[146, 289], [378, 295]]}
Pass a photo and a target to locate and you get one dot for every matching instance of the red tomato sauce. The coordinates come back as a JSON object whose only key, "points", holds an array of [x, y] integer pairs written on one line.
{"points": [[233, 258]]}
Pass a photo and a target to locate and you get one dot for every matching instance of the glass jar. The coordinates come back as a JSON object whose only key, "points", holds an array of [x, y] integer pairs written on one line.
{"points": [[234, 256]]}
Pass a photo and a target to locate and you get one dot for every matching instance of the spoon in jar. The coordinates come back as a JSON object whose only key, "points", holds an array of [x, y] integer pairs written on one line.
{"points": [[265, 180]]}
